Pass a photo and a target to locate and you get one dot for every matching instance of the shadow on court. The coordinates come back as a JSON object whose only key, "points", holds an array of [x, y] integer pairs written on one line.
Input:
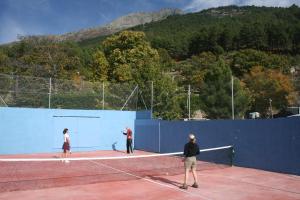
{"points": [[165, 180]]}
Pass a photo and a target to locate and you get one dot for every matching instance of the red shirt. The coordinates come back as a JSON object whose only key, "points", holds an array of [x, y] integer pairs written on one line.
{"points": [[129, 134]]}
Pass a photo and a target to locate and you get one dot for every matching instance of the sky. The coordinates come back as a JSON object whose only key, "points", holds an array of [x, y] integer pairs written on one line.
{"points": [[44, 17]]}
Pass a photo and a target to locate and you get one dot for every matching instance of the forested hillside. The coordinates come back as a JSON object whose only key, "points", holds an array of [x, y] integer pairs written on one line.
{"points": [[258, 46]]}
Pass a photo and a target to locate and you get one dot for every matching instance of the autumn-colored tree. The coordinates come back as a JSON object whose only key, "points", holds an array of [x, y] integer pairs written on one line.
{"points": [[131, 58], [99, 66], [266, 85]]}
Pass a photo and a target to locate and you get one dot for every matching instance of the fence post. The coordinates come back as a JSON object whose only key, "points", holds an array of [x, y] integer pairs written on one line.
{"points": [[50, 89], [102, 95], [232, 98], [159, 136], [189, 101], [152, 92]]}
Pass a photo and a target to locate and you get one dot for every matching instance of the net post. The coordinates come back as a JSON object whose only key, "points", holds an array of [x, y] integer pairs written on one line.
{"points": [[231, 156]]}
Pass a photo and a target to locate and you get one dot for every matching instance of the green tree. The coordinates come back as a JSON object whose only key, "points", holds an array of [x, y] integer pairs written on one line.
{"points": [[166, 99], [215, 93], [206, 40], [253, 36], [193, 69], [278, 38], [167, 63], [226, 39], [244, 60]]}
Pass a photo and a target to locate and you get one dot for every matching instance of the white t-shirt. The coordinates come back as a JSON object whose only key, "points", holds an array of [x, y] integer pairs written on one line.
{"points": [[66, 137]]}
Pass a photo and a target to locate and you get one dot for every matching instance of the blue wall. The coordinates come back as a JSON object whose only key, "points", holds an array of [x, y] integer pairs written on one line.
{"points": [[272, 145], [265, 144], [24, 130]]}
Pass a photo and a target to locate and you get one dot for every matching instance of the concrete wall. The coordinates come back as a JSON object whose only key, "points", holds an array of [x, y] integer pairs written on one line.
{"points": [[24, 130], [272, 145]]}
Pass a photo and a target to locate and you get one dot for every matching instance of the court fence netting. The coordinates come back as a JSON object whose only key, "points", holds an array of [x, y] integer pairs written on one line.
{"points": [[165, 101], [37, 173]]}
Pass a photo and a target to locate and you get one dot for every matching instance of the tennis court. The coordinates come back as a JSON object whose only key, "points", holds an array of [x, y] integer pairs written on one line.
{"points": [[239, 159], [143, 175]]}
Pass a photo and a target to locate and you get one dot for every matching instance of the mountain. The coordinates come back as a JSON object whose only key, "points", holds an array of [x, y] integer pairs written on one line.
{"points": [[124, 22]]}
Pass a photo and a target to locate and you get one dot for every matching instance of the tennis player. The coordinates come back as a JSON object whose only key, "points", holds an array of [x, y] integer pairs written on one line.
{"points": [[66, 144], [128, 133], [191, 150]]}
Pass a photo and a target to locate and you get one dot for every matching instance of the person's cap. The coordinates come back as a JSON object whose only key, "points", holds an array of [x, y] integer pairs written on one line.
{"points": [[191, 136]]}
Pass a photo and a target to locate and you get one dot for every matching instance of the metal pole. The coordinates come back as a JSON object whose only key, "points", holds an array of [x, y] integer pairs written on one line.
{"points": [[102, 95], [136, 102], [3, 101], [129, 97], [50, 88], [270, 100], [189, 102], [158, 136], [232, 98], [152, 92]]}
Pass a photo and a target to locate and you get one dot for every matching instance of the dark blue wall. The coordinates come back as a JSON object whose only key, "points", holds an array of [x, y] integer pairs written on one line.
{"points": [[272, 145]]}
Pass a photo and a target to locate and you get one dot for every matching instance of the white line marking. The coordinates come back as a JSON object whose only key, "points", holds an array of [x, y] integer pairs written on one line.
{"points": [[149, 180]]}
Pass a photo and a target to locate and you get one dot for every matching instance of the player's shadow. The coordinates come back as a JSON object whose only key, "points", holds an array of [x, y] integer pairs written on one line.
{"points": [[113, 146], [165, 180]]}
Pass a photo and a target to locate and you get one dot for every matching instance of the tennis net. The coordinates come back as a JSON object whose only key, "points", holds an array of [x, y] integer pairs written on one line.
{"points": [[37, 173]]}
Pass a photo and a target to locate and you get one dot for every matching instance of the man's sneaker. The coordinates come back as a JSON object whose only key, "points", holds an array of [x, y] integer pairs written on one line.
{"points": [[184, 186], [195, 185]]}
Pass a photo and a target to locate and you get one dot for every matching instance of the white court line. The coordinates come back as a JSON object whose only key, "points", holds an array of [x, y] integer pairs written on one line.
{"points": [[151, 181]]}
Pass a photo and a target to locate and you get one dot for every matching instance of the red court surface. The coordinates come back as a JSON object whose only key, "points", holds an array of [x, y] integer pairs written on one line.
{"points": [[232, 183]]}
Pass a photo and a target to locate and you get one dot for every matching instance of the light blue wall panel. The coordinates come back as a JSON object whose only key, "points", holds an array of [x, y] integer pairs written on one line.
{"points": [[25, 130]]}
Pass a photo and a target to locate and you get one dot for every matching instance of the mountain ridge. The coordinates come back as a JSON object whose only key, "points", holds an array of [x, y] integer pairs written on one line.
{"points": [[119, 24]]}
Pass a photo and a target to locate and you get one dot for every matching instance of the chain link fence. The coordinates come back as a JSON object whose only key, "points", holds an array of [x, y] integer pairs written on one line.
{"points": [[213, 101], [33, 92], [175, 103]]}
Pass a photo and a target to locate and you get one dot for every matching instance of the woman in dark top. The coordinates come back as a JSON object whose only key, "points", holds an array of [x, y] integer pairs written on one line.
{"points": [[128, 133], [191, 150]]}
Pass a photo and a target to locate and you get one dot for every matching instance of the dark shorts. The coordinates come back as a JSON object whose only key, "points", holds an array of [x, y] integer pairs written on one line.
{"points": [[66, 147]]}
